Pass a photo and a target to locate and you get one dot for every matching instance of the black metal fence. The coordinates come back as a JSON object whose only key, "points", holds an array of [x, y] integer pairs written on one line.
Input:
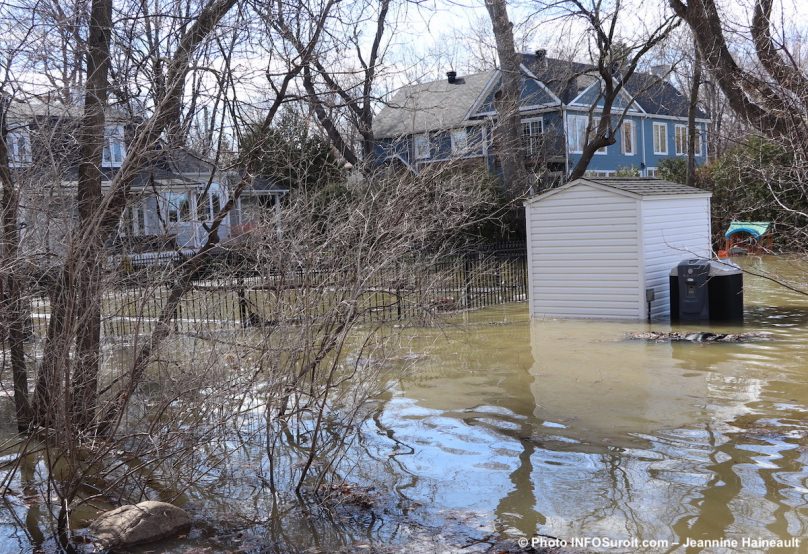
{"points": [[472, 280]]}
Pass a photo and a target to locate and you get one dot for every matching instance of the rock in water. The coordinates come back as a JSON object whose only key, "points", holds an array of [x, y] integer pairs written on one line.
{"points": [[146, 522], [658, 336]]}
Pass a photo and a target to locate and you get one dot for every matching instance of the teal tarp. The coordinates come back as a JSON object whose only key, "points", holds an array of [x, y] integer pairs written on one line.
{"points": [[755, 228]]}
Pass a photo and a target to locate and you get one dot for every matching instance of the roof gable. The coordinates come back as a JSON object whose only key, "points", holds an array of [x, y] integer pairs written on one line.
{"points": [[592, 95], [568, 79], [532, 94]]}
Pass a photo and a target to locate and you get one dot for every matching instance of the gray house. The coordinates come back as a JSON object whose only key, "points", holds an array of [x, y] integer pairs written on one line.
{"points": [[452, 119], [175, 195]]}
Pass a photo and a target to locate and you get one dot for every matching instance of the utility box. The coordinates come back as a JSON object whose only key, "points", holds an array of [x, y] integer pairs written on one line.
{"points": [[706, 290]]}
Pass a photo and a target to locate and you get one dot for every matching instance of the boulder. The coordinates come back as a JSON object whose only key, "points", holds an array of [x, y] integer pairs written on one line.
{"points": [[135, 524]]}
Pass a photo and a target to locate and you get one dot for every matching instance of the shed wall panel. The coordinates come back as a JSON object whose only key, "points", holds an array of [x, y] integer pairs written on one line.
{"points": [[583, 250]]}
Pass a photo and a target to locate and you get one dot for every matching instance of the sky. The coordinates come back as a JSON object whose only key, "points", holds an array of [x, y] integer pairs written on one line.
{"points": [[452, 27]]}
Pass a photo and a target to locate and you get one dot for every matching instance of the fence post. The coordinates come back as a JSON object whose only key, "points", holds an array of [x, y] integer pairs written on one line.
{"points": [[177, 316], [467, 278], [242, 306], [500, 282]]}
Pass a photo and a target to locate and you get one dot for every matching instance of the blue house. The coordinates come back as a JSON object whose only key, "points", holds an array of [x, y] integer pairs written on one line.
{"points": [[452, 119]]}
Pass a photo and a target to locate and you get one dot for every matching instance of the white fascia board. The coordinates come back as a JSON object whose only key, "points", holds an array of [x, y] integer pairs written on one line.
{"points": [[486, 89], [530, 74]]}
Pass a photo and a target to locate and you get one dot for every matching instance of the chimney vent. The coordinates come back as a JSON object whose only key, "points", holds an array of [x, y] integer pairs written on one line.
{"points": [[451, 76], [541, 58]]}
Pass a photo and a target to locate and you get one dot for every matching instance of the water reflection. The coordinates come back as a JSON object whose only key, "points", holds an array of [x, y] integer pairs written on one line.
{"points": [[515, 427], [566, 429]]}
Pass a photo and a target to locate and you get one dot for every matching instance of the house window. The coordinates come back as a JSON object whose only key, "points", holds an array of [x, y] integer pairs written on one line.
{"points": [[599, 173], [699, 141], [422, 147], [113, 146], [661, 138], [460, 141], [576, 134], [532, 135], [215, 204], [628, 134], [680, 137], [136, 219], [178, 207], [18, 144], [651, 172]]}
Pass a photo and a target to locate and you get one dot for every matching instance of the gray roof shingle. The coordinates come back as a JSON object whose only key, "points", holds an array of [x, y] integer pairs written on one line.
{"points": [[644, 186], [430, 106], [442, 105]]}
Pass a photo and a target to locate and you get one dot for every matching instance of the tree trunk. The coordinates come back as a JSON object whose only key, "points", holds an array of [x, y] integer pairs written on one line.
{"points": [[15, 310], [691, 116], [508, 130], [89, 252]]}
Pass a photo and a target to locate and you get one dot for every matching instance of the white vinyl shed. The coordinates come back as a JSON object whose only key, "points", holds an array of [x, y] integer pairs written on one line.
{"points": [[595, 245]]}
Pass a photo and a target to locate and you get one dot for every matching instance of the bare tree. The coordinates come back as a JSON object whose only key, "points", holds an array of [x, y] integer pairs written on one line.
{"points": [[692, 110], [615, 59], [508, 132], [340, 92], [769, 94]]}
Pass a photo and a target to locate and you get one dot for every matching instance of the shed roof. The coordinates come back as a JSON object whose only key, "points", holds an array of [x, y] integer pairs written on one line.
{"points": [[636, 187]]}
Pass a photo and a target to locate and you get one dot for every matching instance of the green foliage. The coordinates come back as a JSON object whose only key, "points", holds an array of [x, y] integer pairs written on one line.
{"points": [[673, 169], [291, 154], [754, 181]]}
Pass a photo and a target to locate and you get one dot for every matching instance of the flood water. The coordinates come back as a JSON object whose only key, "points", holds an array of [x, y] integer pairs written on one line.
{"points": [[506, 427], [565, 429]]}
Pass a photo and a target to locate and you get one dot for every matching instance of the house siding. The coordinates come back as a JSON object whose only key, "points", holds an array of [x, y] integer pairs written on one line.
{"points": [[584, 255], [615, 160], [673, 229], [536, 103]]}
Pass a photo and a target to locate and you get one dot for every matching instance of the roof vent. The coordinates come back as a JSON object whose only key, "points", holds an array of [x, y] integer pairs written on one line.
{"points": [[451, 76], [541, 58]]}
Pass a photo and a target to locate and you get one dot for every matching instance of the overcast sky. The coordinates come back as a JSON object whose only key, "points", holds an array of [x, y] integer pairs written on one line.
{"points": [[451, 28]]}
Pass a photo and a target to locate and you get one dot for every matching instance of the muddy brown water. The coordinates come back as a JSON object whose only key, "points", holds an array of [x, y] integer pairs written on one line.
{"points": [[507, 427]]}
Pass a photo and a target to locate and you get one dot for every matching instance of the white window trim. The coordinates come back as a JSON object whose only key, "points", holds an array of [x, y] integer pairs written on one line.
{"points": [[571, 118], [541, 131], [12, 142], [113, 132], [631, 124], [648, 171], [456, 149], [600, 173], [416, 153], [664, 127], [676, 142], [600, 151]]}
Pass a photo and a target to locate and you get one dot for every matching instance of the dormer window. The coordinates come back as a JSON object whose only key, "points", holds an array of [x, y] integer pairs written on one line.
{"points": [[18, 144], [114, 148]]}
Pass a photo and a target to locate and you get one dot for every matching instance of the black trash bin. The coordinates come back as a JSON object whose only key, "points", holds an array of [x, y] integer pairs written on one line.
{"points": [[706, 290]]}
